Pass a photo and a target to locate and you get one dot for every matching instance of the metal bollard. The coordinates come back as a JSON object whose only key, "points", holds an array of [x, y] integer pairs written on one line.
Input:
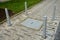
{"points": [[26, 7], [7, 17], [45, 26], [54, 11]]}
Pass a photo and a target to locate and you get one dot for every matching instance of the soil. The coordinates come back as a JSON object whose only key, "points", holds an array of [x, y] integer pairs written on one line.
{"points": [[3, 15]]}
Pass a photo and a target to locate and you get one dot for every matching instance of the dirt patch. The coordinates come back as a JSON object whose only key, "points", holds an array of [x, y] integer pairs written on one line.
{"points": [[3, 15], [4, 0]]}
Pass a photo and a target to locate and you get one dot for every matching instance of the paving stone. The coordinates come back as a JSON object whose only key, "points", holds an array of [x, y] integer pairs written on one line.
{"points": [[19, 32]]}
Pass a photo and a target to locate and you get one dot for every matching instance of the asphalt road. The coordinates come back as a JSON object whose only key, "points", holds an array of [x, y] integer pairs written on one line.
{"points": [[57, 36]]}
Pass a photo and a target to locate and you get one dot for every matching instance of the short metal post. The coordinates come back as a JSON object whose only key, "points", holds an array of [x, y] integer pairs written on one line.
{"points": [[26, 7], [54, 11], [7, 16], [45, 26]]}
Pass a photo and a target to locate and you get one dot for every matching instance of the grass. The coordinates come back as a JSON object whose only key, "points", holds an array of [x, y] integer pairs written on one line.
{"points": [[18, 5]]}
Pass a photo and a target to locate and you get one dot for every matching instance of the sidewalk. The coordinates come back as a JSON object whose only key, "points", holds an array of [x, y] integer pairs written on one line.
{"points": [[20, 32]]}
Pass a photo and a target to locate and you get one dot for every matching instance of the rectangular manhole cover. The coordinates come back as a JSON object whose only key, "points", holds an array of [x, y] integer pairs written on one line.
{"points": [[31, 23]]}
